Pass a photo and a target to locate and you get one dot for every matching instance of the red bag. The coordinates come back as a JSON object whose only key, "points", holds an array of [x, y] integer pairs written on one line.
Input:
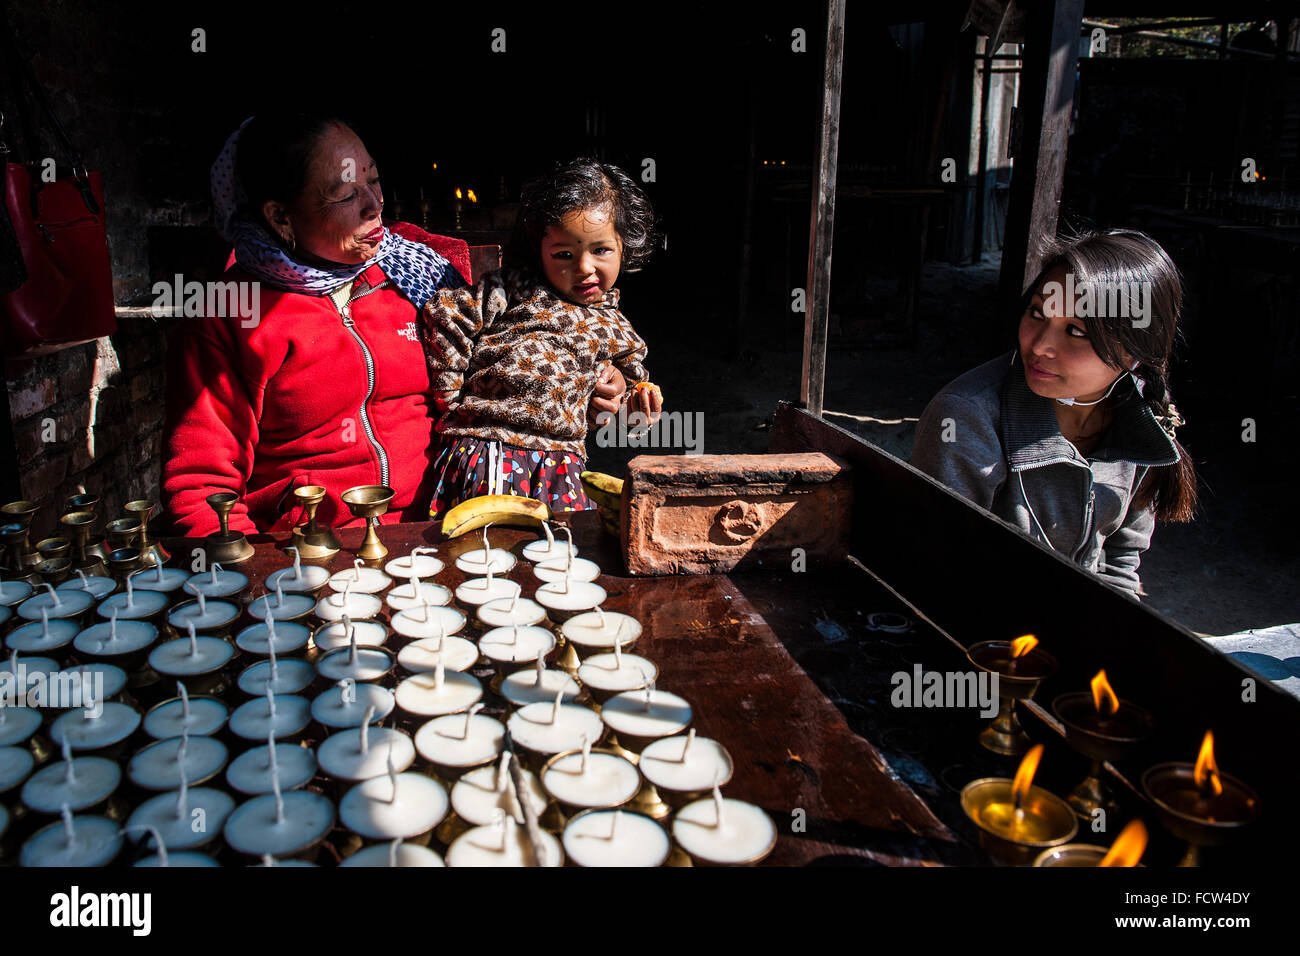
{"points": [[68, 295], [59, 232]]}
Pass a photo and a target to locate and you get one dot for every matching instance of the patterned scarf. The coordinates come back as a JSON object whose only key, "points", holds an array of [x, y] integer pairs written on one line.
{"points": [[417, 270]]}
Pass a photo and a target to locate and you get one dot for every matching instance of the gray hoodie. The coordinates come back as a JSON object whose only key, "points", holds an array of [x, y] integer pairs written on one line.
{"points": [[991, 439]]}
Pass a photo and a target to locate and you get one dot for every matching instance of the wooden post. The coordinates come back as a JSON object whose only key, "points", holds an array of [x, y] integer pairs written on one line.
{"points": [[1046, 101], [817, 318]]}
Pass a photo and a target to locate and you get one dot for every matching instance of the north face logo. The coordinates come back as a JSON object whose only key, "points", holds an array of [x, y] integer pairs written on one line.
{"points": [[409, 332]]}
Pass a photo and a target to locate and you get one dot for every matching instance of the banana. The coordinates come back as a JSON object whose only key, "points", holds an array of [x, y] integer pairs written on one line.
{"points": [[513, 510], [605, 490]]}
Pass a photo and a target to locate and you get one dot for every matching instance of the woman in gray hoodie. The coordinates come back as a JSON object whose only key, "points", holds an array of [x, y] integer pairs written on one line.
{"points": [[1070, 437]]}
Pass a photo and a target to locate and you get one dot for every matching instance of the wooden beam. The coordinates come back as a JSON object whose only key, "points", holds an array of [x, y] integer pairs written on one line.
{"points": [[1046, 101], [817, 319]]}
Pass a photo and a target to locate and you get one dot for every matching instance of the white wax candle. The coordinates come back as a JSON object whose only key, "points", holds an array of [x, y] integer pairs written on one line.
{"points": [[400, 805], [347, 756], [336, 708], [289, 677], [96, 585], [253, 720], [576, 596], [451, 741], [685, 764], [186, 657], [14, 592], [419, 563], [62, 604], [479, 591], [304, 578], [290, 636], [514, 645], [36, 637], [115, 638], [360, 579], [205, 615], [131, 605], [381, 854], [480, 794], [91, 782], [93, 841], [745, 833], [507, 611], [627, 713], [474, 562], [428, 621], [496, 845], [549, 548], [257, 827], [159, 766], [95, 680], [341, 633], [178, 859], [601, 629], [201, 717], [606, 672], [333, 606], [215, 582], [591, 780], [27, 668], [17, 724], [282, 606], [537, 684], [427, 696], [250, 772], [114, 724], [615, 838], [406, 596], [547, 729], [424, 655], [362, 664], [15, 764], [554, 570]]}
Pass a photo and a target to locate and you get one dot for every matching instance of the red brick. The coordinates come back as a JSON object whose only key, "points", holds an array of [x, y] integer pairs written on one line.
{"points": [[48, 475], [705, 514]]}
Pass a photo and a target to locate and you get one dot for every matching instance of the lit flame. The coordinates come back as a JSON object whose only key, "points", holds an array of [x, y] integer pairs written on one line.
{"points": [[1102, 696], [1206, 772], [1025, 774], [472, 197], [1023, 645], [435, 165], [1128, 846], [458, 195]]}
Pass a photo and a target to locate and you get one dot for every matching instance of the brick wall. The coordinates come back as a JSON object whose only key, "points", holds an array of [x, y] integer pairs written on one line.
{"points": [[90, 418]]}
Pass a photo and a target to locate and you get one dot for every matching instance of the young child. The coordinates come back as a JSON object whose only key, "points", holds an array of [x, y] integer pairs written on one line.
{"points": [[1070, 438], [515, 359]]}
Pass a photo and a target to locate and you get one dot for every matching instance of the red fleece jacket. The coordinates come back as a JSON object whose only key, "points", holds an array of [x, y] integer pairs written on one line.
{"points": [[262, 410]]}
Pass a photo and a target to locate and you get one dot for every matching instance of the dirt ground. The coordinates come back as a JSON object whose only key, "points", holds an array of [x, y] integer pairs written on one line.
{"points": [[1236, 567]]}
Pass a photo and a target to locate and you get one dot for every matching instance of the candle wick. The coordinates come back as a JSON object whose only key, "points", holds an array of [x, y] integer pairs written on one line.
{"points": [[183, 796], [194, 639], [717, 805], [392, 851], [686, 747], [365, 728], [586, 752], [69, 832], [54, 595], [392, 775], [185, 703], [439, 675], [555, 708], [215, 568], [541, 669], [203, 603], [550, 538]]}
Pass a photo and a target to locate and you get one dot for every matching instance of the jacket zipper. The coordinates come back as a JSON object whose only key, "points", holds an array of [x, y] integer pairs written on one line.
{"points": [[346, 312]]}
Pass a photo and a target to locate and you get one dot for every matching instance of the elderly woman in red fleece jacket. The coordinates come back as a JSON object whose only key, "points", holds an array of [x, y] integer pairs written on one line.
{"points": [[325, 381]]}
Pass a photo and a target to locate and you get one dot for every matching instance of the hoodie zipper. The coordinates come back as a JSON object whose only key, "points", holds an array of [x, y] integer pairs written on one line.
{"points": [[349, 323]]}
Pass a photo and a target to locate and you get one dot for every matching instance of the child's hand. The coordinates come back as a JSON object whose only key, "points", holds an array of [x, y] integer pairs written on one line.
{"points": [[610, 386], [648, 400]]}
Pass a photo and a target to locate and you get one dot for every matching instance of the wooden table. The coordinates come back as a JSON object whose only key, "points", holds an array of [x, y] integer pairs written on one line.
{"points": [[877, 786]]}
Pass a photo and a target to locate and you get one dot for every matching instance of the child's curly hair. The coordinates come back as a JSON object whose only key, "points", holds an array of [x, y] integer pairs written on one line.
{"points": [[581, 184]]}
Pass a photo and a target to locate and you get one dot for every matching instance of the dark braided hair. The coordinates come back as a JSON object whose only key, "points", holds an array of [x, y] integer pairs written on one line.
{"points": [[1124, 260], [582, 184]]}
